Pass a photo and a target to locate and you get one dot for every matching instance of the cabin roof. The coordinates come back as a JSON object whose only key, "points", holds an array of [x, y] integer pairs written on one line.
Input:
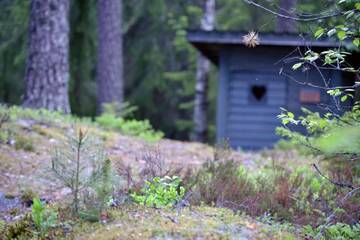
{"points": [[209, 43]]}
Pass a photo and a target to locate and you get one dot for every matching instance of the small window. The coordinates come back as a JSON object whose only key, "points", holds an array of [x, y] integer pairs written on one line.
{"points": [[258, 94]]}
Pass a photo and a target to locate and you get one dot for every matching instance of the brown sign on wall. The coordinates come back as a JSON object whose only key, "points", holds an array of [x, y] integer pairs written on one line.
{"points": [[309, 96]]}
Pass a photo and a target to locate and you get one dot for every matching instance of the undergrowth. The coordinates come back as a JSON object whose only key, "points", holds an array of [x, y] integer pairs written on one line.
{"points": [[132, 127], [295, 194], [110, 121], [160, 192]]}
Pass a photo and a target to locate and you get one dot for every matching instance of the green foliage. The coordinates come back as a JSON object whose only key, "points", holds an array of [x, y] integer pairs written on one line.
{"points": [[344, 28], [13, 35], [44, 218], [40, 224], [122, 110], [2, 226], [41, 116], [328, 134], [334, 232], [335, 133], [104, 186], [138, 128], [100, 194], [160, 192]]}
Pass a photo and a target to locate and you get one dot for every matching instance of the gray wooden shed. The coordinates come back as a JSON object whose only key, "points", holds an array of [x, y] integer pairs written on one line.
{"points": [[250, 88]]}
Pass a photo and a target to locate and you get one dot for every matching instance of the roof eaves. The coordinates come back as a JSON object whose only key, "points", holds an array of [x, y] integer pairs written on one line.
{"points": [[266, 39]]}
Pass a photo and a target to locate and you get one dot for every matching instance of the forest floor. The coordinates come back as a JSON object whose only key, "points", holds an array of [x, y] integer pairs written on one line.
{"points": [[25, 168]]}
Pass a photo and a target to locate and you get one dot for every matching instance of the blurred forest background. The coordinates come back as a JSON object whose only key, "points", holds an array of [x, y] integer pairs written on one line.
{"points": [[159, 63]]}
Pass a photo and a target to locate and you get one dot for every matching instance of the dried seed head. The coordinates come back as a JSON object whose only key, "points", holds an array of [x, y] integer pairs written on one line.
{"points": [[251, 39]]}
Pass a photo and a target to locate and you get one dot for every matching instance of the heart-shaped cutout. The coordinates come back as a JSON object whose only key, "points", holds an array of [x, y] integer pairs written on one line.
{"points": [[259, 91]]}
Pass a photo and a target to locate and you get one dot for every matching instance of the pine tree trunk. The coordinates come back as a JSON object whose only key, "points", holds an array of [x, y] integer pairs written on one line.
{"points": [[202, 79], [47, 67], [110, 53], [287, 7]]}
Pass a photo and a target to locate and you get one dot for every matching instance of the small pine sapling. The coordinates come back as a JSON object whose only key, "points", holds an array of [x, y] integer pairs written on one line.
{"points": [[78, 163]]}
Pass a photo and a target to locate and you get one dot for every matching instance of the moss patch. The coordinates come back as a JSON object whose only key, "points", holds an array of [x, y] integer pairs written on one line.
{"points": [[138, 222]]}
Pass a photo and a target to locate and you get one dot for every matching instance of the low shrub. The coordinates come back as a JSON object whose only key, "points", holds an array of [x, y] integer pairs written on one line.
{"points": [[160, 192], [43, 218], [138, 128], [223, 183], [298, 195], [41, 223], [332, 232]]}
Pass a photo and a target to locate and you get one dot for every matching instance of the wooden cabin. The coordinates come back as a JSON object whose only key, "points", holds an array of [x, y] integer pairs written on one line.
{"points": [[255, 82]]}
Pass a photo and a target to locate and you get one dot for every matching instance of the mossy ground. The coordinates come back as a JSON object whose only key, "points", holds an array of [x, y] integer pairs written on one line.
{"points": [[138, 222]]}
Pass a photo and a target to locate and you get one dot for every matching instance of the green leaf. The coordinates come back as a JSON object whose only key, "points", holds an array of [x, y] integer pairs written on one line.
{"points": [[285, 121], [357, 6], [297, 65], [319, 33], [341, 35], [344, 98], [356, 42]]}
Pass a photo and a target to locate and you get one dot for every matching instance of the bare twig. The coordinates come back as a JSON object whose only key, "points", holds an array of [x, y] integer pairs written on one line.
{"points": [[332, 181], [302, 19]]}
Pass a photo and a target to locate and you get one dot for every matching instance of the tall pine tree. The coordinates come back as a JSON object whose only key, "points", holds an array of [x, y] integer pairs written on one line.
{"points": [[110, 81], [47, 67]]}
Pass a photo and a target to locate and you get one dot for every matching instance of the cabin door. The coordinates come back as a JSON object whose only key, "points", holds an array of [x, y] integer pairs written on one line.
{"points": [[254, 101]]}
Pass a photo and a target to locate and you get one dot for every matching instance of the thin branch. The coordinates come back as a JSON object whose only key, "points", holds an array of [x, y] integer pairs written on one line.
{"points": [[303, 83], [332, 181], [302, 19]]}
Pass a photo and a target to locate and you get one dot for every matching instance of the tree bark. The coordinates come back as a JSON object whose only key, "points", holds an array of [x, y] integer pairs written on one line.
{"points": [[287, 7], [47, 67], [110, 81], [202, 78]]}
